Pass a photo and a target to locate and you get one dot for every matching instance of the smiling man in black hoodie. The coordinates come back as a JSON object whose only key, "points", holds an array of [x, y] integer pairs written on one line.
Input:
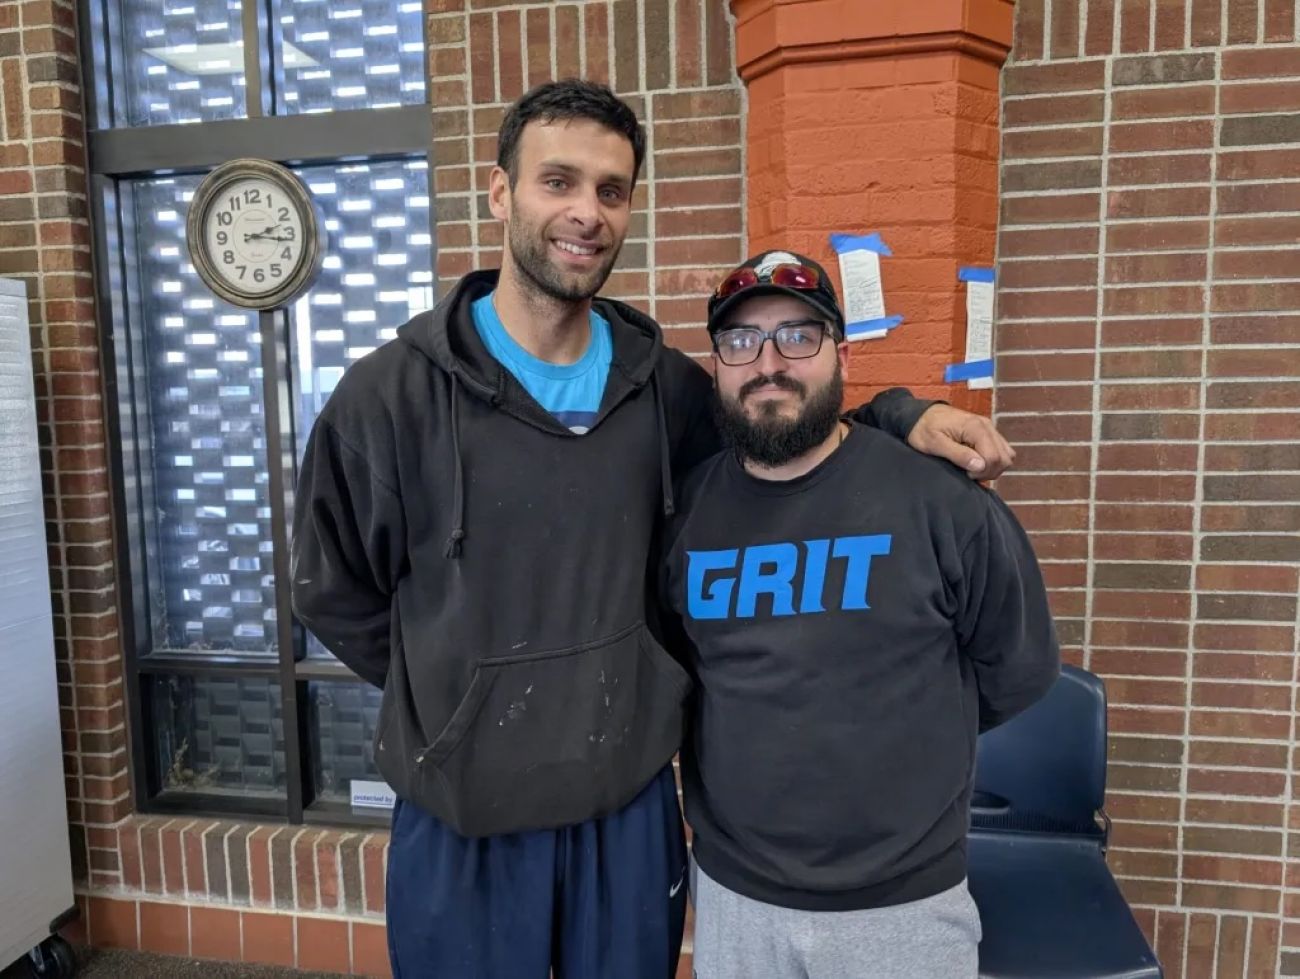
{"points": [[854, 615], [473, 533]]}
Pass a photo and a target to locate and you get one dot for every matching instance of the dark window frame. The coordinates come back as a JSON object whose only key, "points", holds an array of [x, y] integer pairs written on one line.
{"points": [[116, 155]]}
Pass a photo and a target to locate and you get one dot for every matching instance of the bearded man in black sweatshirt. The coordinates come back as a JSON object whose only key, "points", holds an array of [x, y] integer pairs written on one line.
{"points": [[854, 614]]}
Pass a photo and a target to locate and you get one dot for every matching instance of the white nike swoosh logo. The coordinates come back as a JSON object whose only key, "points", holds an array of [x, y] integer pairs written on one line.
{"points": [[678, 886]]}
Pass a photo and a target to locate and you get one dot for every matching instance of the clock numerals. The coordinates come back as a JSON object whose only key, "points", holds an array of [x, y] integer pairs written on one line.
{"points": [[252, 236], [260, 275]]}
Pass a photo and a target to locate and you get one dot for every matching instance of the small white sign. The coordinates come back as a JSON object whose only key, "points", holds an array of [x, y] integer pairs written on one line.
{"points": [[372, 795], [864, 300], [979, 328]]}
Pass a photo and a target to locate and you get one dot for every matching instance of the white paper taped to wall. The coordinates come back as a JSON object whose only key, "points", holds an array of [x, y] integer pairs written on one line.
{"points": [[864, 294], [977, 369], [864, 300], [979, 328]]}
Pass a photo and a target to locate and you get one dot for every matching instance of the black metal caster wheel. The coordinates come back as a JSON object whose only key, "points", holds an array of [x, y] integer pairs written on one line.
{"points": [[52, 959]]}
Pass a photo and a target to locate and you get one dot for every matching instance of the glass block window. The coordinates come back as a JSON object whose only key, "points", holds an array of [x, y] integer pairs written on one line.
{"points": [[195, 486], [348, 54], [343, 721], [218, 735], [210, 482], [378, 273], [184, 61]]}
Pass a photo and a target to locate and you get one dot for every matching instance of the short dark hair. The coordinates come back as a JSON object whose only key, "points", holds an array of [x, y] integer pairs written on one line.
{"points": [[563, 100]]}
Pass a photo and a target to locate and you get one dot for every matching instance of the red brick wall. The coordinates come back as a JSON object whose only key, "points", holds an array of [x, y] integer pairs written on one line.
{"points": [[1148, 359]]}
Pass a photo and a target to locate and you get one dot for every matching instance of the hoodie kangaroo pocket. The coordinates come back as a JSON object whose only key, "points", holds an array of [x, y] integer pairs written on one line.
{"points": [[556, 737]]}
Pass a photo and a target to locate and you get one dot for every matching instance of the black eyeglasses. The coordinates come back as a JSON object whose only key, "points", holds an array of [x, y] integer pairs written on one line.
{"points": [[744, 344]]}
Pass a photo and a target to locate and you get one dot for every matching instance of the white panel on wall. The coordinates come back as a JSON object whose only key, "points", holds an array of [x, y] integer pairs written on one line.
{"points": [[35, 866]]}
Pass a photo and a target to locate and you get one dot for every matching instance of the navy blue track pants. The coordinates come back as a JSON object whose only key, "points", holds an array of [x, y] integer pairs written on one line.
{"points": [[605, 899]]}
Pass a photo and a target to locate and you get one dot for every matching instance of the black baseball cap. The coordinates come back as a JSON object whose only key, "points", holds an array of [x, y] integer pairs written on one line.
{"points": [[777, 273]]}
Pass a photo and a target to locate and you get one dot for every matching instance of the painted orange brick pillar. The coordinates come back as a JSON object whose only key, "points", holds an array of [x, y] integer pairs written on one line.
{"points": [[880, 115]]}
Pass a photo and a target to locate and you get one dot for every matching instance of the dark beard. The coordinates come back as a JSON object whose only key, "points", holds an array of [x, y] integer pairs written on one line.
{"points": [[528, 247], [772, 440]]}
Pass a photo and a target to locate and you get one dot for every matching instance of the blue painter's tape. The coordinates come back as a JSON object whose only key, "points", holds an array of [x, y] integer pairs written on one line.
{"points": [[871, 326], [852, 243], [971, 273], [968, 372]]}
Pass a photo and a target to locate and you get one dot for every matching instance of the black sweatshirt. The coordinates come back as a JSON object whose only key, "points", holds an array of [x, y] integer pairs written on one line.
{"points": [[850, 632], [458, 546]]}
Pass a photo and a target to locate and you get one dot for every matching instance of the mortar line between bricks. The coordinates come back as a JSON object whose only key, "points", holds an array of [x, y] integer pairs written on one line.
{"points": [[555, 76], [1269, 247], [1094, 450], [696, 147], [1291, 752], [674, 120], [1075, 191], [1207, 824], [1045, 96], [470, 106], [673, 81], [1198, 491], [611, 58], [1223, 768], [365, 842], [652, 216], [1291, 775]]}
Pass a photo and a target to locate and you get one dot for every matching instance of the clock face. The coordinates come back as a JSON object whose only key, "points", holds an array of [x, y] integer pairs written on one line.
{"points": [[254, 235]]}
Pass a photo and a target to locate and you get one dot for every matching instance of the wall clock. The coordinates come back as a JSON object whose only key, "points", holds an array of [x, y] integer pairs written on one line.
{"points": [[254, 234]]}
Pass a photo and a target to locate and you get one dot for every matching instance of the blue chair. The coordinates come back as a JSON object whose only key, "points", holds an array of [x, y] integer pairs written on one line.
{"points": [[1049, 906]]}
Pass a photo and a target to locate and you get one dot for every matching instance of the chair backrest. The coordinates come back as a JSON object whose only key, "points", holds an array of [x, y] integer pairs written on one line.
{"points": [[1048, 763]]}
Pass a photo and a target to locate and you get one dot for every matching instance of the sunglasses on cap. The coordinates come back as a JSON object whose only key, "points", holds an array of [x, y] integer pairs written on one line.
{"points": [[788, 275]]}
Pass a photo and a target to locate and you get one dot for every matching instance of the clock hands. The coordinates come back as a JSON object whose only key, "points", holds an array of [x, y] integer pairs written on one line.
{"points": [[266, 235]]}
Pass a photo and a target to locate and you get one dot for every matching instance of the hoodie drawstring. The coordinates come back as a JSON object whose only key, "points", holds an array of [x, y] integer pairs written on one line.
{"points": [[453, 548], [665, 456]]}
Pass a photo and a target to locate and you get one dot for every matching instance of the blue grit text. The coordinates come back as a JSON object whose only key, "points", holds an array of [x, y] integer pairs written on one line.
{"points": [[728, 583]]}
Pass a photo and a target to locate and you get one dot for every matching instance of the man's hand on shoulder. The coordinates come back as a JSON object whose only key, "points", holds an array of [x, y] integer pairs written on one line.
{"points": [[967, 440]]}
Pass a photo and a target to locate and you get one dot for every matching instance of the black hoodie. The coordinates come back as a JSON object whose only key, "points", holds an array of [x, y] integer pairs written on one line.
{"points": [[458, 546]]}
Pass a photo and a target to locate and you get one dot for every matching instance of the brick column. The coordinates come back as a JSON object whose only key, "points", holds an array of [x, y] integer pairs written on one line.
{"points": [[880, 117]]}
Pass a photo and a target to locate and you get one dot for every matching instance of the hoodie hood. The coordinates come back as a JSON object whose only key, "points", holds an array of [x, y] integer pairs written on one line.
{"points": [[446, 335]]}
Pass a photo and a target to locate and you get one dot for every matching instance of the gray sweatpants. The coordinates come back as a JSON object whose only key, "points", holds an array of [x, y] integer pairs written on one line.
{"points": [[739, 938]]}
